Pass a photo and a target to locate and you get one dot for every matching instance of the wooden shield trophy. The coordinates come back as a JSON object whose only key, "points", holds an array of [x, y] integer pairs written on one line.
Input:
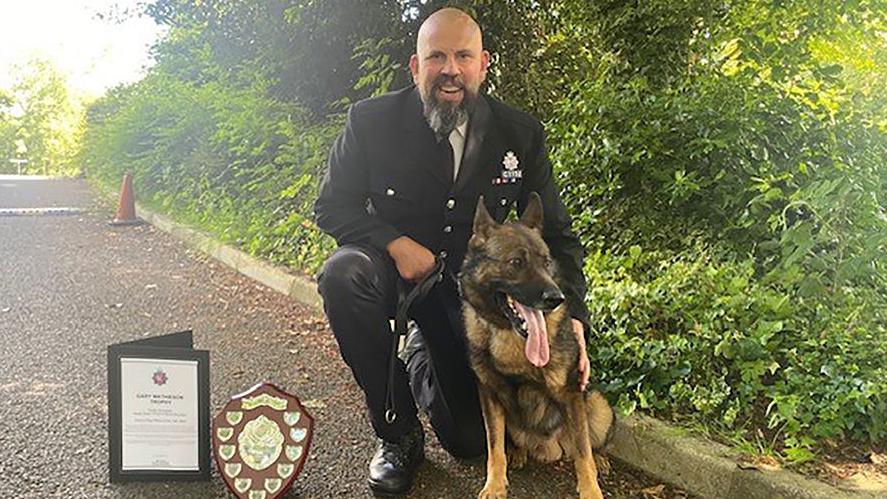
{"points": [[260, 442]]}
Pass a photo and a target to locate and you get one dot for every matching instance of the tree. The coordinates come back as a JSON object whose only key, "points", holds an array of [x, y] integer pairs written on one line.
{"points": [[7, 129], [46, 117], [304, 48]]}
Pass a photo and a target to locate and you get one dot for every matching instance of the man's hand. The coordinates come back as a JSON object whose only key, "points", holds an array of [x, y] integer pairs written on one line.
{"points": [[414, 261], [584, 370]]}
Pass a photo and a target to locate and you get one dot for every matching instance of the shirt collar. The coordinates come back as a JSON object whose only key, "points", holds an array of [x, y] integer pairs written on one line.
{"points": [[462, 129]]}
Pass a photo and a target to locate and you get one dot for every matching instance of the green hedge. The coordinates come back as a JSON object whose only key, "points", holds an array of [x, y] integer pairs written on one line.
{"points": [[232, 161], [696, 337]]}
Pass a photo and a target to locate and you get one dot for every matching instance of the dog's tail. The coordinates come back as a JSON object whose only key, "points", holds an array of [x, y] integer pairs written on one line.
{"points": [[600, 418]]}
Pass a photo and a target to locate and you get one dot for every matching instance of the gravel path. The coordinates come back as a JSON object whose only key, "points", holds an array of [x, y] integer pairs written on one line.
{"points": [[71, 285]]}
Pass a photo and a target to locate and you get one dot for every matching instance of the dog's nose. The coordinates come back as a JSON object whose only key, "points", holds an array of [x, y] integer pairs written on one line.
{"points": [[551, 298]]}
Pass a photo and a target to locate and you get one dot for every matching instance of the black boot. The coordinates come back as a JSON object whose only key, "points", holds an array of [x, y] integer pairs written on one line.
{"points": [[394, 464]]}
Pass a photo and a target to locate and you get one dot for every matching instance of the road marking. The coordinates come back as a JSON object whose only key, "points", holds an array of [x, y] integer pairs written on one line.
{"points": [[17, 212], [27, 177]]}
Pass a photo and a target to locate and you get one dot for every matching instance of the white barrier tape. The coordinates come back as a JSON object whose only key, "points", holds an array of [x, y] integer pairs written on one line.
{"points": [[17, 212]]}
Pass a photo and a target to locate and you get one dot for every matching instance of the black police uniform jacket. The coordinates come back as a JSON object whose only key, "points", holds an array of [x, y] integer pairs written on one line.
{"points": [[386, 178]]}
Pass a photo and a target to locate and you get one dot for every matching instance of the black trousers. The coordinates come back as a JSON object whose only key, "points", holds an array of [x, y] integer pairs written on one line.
{"points": [[359, 289]]}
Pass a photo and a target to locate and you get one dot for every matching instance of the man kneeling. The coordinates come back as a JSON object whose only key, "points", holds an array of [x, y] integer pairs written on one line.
{"points": [[400, 190]]}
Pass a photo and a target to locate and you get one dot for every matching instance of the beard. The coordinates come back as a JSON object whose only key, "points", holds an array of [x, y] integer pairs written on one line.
{"points": [[443, 117]]}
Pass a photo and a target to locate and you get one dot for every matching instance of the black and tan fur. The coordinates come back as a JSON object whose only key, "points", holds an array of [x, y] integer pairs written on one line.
{"points": [[538, 411]]}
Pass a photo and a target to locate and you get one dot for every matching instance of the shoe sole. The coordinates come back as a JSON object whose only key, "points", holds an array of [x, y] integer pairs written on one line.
{"points": [[388, 493], [375, 487]]}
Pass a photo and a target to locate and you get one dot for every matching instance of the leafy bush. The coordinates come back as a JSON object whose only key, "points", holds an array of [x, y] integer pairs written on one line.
{"points": [[754, 189], [232, 161], [695, 336]]}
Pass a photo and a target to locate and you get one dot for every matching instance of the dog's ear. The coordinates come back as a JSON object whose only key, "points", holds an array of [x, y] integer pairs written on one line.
{"points": [[483, 222], [532, 215]]}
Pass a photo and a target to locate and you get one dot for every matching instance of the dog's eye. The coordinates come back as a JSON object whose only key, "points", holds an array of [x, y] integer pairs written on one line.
{"points": [[516, 262]]}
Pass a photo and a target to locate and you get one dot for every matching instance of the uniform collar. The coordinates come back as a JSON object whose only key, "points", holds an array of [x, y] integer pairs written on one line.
{"points": [[414, 116], [474, 142], [474, 132]]}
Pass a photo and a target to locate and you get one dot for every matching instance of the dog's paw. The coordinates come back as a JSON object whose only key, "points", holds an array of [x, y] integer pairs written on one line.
{"points": [[602, 462], [549, 451], [493, 491], [591, 492], [517, 458]]}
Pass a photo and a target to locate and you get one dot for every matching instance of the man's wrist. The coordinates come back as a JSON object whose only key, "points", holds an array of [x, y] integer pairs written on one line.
{"points": [[393, 246], [383, 236]]}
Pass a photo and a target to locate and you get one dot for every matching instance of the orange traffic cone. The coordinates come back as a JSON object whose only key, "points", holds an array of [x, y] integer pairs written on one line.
{"points": [[126, 209]]}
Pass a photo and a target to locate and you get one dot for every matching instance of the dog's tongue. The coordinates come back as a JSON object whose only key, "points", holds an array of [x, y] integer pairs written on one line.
{"points": [[537, 335]]}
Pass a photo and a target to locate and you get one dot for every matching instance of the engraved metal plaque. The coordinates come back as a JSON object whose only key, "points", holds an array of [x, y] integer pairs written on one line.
{"points": [[260, 442]]}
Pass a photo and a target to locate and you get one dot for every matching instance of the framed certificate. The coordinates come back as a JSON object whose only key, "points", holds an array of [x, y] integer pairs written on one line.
{"points": [[158, 409]]}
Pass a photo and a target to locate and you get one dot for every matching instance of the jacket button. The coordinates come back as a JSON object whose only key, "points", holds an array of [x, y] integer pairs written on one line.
{"points": [[503, 201], [451, 203], [390, 191], [448, 229]]}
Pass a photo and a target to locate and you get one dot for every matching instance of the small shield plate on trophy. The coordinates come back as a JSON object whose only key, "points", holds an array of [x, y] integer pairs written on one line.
{"points": [[260, 441]]}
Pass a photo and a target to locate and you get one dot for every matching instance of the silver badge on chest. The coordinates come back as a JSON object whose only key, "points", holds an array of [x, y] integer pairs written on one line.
{"points": [[511, 174]]}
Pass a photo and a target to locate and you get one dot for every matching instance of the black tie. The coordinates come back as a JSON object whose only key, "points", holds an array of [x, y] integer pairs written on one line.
{"points": [[447, 153]]}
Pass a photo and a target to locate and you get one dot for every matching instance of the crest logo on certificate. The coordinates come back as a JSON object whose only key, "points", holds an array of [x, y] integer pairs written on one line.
{"points": [[158, 409]]}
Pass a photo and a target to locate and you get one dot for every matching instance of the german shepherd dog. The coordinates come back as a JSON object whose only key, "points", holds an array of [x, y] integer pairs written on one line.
{"points": [[525, 354]]}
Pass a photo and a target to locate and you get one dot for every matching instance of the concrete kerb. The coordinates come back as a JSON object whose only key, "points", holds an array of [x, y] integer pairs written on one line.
{"points": [[699, 466], [298, 287], [709, 469]]}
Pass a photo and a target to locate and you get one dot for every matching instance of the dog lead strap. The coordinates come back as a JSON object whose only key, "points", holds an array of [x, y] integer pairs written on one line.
{"points": [[404, 302]]}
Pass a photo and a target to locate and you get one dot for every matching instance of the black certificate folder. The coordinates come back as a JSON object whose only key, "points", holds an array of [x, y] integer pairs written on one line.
{"points": [[158, 410]]}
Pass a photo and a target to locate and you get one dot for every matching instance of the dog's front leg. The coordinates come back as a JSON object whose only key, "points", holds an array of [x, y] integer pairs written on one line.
{"points": [[586, 470], [494, 421]]}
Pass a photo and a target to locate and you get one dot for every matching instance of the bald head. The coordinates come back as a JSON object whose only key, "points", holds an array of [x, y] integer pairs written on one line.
{"points": [[451, 22], [449, 66]]}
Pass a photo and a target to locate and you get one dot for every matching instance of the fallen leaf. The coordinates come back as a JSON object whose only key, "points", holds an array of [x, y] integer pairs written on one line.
{"points": [[868, 481], [314, 404], [654, 491], [838, 472], [760, 463]]}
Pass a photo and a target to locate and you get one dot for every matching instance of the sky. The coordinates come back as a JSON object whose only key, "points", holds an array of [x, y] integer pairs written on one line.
{"points": [[95, 54]]}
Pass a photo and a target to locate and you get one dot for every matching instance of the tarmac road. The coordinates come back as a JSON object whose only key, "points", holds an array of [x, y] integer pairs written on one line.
{"points": [[70, 285]]}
